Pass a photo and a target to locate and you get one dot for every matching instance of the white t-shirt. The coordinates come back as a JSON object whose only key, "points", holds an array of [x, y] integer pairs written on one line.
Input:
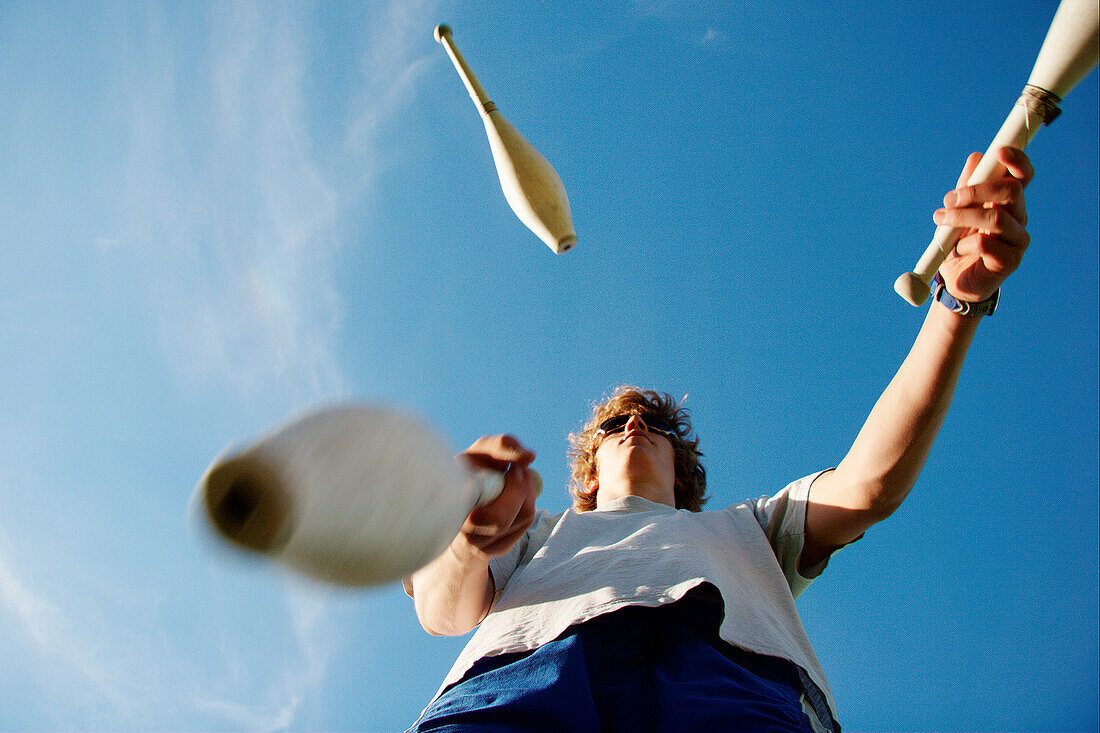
{"points": [[574, 566]]}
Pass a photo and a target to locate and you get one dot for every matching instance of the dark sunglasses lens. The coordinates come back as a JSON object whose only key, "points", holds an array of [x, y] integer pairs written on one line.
{"points": [[658, 425], [614, 424], [652, 422]]}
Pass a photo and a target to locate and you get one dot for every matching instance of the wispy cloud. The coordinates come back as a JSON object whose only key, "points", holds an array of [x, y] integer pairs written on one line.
{"points": [[236, 221], [102, 648], [70, 647], [391, 70], [653, 8], [231, 233], [233, 218], [236, 205], [712, 36]]}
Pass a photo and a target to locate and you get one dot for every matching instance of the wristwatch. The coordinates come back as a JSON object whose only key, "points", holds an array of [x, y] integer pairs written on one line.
{"points": [[962, 307]]}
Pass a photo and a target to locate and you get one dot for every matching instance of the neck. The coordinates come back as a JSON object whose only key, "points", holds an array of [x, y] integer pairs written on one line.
{"points": [[656, 493]]}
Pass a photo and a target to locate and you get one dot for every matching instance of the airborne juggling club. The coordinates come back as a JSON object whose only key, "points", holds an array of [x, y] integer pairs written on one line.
{"points": [[531, 185]]}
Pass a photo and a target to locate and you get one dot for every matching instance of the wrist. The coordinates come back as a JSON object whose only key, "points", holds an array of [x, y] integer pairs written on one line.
{"points": [[951, 329], [467, 554], [969, 309]]}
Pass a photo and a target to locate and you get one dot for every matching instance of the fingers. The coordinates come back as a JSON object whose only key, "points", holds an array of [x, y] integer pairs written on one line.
{"points": [[993, 217], [981, 207], [1018, 164], [980, 262], [516, 502], [1005, 190], [493, 528], [498, 452], [1015, 161], [968, 169], [500, 542], [995, 221]]}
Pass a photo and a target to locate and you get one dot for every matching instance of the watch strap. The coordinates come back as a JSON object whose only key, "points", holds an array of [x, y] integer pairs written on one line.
{"points": [[963, 307]]}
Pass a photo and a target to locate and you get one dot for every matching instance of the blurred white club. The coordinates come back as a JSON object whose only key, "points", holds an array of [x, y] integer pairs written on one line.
{"points": [[350, 495]]}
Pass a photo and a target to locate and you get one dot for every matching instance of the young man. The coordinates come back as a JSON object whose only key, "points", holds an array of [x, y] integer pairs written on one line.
{"points": [[637, 609]]}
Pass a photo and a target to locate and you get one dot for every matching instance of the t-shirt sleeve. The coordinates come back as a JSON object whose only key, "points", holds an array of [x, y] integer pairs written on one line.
{"points": [[504, 566], [782, 516]]}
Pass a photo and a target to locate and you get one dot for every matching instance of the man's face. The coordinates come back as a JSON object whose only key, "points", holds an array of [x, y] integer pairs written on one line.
{"points": [[635, 460]]}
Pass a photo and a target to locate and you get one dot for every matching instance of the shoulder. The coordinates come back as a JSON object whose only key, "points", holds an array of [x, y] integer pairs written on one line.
{"points": [[779, 509]]}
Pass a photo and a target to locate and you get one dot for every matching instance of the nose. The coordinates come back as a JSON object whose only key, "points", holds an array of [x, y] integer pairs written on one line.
{"points": [[635, 424]]}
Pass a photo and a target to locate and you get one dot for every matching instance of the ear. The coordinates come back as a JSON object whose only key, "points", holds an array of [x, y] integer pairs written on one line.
{"points": [[592, 486]]}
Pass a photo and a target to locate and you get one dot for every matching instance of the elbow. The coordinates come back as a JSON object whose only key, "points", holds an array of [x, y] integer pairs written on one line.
{"points": [[444, 626], [444, 621], [883, 507], [450, 606], [880, 503], [431, 630], [877, 495]]}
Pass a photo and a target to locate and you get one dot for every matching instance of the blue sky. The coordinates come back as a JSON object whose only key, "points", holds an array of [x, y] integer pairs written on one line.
{"points": [[215, 214]]}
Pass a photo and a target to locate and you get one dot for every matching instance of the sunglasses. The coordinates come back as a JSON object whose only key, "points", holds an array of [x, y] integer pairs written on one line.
{"points": [[653, 424]]}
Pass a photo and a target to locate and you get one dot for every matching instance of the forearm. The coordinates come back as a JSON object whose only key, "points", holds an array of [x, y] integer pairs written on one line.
{"points": [[891, 449], [452, 593], [893, 445]]}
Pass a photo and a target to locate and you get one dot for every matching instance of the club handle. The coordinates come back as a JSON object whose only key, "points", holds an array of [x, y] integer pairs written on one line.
{"points": [[473, 86], [490, 483]]}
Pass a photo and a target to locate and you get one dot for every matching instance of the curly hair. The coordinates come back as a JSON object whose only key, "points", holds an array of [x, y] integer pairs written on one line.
{"points": [[691, 477]]}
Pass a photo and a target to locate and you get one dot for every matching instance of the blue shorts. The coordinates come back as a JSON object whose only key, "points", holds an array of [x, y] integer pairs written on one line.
{"points": [[637, 668]]}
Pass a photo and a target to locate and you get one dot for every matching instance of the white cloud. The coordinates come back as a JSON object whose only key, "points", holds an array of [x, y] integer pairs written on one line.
{"points": [[654, 8], [711, 36], [79, 654], [236, 198], [232, 217], [36, 615], [103, 656], [230, 238], [391, 70]]}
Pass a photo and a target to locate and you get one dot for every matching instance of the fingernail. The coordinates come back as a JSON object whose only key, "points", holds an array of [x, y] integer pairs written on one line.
{"points": [[939, 215], [951, 199]]}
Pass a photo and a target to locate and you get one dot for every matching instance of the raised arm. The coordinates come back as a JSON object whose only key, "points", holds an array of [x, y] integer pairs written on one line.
{"points": [[452, 594], [888, 454]]}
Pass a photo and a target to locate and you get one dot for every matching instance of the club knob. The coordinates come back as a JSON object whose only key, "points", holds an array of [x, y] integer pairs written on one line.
{"points": [[247, 505], [912, 288]]}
